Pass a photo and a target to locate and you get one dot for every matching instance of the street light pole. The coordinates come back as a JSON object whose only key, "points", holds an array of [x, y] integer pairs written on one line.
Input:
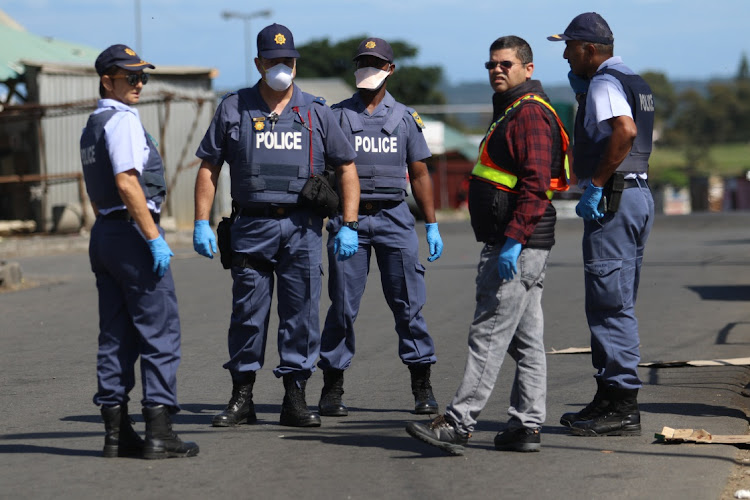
{"points": [[246, 17]]}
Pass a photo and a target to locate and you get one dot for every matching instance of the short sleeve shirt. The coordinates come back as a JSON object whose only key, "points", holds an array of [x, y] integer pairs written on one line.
{"points": [[606, 99], [126, 142]]}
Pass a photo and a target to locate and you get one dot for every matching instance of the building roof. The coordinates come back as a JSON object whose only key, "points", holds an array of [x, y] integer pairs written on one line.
{"points": [[17, 44]]}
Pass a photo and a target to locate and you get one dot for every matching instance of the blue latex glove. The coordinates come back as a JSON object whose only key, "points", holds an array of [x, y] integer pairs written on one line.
{"points": [[346, 243], [588, 205], [434, 241], [579, 84], [162, 253], [506, 261], [204, 241]]}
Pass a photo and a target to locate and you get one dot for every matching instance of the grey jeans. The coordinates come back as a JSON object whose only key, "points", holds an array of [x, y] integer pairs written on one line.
{"points": [[508, 318]]}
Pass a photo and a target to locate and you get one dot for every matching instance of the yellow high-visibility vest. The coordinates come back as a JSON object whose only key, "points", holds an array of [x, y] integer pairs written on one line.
{"points": [[488, 171]]}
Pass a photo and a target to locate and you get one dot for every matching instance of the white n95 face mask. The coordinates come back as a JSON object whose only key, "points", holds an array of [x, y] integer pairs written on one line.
{"points": [[370, 78], [279, 77]]}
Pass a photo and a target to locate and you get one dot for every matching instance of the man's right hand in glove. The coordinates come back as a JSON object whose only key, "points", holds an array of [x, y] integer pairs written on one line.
{"points": [[204, 241], [588, 205], [346, 242]]}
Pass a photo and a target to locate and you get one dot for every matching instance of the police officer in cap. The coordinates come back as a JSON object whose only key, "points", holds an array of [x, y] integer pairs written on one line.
{"points": [[137, 303], [274, 137], [387, 137], [613, 132]]}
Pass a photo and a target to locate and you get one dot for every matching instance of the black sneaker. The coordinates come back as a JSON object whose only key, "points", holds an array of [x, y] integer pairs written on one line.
{"points": [[442, 433], [522, 439]]}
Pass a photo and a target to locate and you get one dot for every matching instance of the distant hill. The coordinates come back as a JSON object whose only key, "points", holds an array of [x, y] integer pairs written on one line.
{"points": [[481, 93]]}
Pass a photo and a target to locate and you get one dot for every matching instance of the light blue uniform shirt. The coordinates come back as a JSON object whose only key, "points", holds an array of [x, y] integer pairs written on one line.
{"points": [[606, 99], [126, 143]]}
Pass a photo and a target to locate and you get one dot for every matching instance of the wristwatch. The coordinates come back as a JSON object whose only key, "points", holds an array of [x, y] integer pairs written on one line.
{"points": [[354, 225]]}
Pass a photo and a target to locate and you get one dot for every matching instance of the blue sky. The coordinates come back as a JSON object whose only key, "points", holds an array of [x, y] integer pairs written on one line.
{"points": [[686, 39]]}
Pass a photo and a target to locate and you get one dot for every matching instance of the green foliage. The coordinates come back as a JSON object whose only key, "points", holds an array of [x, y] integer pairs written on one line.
{"points": [[670, 165], [409, 84]]}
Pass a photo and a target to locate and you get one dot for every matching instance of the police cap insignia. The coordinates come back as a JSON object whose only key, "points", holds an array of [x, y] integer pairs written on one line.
{"points": [[370, 45], [418, 119], [279, 39], [129, 51]]}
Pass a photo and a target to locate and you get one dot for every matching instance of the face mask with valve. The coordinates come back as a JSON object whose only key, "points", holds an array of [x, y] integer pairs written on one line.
{"points": [[280, 77], [370, 78]]}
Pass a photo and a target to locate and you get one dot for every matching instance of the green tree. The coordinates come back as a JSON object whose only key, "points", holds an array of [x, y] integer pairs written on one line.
{"points": [[665, 97], [743, 72], [410, 84]]}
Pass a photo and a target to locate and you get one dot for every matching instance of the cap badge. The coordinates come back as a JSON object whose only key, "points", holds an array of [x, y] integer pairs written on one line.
{"points": [[129, 51], [279, 39], [370, 45]]}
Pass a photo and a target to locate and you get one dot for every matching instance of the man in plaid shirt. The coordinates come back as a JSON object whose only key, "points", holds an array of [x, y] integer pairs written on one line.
{"points": [[520, 164]]}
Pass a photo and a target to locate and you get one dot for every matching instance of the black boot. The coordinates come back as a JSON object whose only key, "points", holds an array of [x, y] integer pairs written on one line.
{"points": [[121, 440], [161, 441], [294, 410], [240, 409], [593, 409], [620, 418], [424, 400], [330, 404]]}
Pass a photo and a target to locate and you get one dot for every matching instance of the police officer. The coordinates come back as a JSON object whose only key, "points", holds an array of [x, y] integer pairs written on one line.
{"points": [[387, 137], [274, 137], [614, 126], [137, 304], [521, 161]]}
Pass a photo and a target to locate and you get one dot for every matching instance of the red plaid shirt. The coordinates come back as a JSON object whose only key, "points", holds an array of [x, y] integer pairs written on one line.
{"points": [[528, 141]]}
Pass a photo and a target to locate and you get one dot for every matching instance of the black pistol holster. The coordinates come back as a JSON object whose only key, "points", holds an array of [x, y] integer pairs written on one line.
{"points": [[612, 193], [224, 237]]}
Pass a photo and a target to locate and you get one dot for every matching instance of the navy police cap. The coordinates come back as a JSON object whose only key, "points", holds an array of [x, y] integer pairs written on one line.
{"points": [[121, 56], [589, 27], [276, 41], [375, 47]]}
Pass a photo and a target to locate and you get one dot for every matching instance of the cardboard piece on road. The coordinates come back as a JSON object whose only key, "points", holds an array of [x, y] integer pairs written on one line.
{"points": [[698, 362], [570, 350], [669, 435]]}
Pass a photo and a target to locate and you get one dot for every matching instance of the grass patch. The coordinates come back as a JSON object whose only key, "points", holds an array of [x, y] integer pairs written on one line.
{"points": [[669, 165]]}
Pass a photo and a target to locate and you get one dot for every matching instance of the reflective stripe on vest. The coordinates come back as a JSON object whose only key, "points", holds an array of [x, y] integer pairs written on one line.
{"points": [[487, 170]]}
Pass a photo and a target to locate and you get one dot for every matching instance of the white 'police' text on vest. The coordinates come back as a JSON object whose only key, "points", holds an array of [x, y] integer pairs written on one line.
{"points": [[376, 144], [278, 140], [87, 155], [647, 102]]}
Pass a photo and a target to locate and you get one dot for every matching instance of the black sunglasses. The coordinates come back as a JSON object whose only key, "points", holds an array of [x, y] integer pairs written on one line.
{"points": [[495, 64], [133, 78]]}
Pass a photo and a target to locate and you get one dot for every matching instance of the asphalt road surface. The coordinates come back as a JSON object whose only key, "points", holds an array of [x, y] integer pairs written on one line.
{"points": [[692, 304]]}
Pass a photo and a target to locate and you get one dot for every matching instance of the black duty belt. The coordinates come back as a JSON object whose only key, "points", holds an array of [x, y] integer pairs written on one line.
{"points": [[271, 211], [370, 207], [125, 215], [633, 183]]}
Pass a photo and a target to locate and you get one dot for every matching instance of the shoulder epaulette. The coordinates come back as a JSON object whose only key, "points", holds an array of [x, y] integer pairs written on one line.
{"points": [[228, 94], [417, 118], [319, 100]]}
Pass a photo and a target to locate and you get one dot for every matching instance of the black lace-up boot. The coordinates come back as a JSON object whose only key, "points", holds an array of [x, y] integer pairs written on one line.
{"points": [[121, 439], [240, 409], [620, 418], [424, 400], [294, 410], [593, 409], [161, 441], [330, 404]]}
